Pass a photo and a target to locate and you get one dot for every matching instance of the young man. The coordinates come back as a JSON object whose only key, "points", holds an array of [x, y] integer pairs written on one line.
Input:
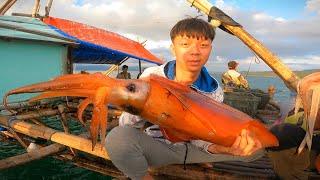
{"points": [[132, 151], [124, 74], [233, 78]]}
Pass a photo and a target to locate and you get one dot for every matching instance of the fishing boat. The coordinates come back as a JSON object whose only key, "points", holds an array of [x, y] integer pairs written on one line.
{"points": [[72, 42]]}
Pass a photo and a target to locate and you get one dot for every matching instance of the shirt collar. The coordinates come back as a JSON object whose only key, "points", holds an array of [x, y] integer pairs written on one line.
{"points": [[205, 81]]}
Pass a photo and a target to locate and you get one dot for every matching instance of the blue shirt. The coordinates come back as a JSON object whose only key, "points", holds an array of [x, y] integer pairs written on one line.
{"points": [[205, 82]]}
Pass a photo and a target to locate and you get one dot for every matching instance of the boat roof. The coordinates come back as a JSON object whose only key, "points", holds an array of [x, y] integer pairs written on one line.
{"points": [[99, 46], [14, 27]]}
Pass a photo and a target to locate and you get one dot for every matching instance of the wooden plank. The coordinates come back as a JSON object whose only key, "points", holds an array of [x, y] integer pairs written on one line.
{"points": [[246, 170], [255, 164], [30, 156], [197, 172], [193, 171]]}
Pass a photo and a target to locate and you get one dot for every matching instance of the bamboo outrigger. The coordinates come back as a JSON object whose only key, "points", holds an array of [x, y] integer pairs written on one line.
{"points": [[28, 125]]}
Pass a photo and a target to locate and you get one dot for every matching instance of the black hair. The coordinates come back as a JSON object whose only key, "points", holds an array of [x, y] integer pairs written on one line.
{"points": [[193, 27], [124, 67]]}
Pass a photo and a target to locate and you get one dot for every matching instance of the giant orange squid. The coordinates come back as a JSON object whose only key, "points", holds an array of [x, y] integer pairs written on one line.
{"points": [[181, 113]]}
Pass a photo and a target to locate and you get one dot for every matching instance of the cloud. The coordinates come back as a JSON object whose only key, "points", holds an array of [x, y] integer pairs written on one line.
{"points": [[152, 20], [313, 5]]}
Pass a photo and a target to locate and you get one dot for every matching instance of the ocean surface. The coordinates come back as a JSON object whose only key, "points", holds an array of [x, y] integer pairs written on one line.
{"points": [[50, 168]]}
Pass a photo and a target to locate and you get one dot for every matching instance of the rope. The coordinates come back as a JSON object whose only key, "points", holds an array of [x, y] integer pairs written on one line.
{"points": [[256, 60]]}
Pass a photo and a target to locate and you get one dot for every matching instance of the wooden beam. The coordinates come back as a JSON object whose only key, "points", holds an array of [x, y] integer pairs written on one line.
{"points": [[31, 156], [6, 6], [73, 141], [286, 74]]}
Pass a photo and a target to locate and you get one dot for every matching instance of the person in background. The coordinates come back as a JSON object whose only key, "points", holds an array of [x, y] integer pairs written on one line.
{"points": [[271, 92], [132, 150], [232, 78], [124, 74], [84, 72]]}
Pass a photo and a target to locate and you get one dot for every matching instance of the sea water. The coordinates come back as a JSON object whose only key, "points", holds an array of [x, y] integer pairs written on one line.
{"points": [[50, 168]]}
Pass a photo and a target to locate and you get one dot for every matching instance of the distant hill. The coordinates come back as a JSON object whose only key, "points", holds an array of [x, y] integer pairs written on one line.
{"points": [[301, 74]]}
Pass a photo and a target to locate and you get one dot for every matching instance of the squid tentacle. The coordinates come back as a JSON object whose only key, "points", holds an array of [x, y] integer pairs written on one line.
{"points": [[99, 121], [82, 106]]}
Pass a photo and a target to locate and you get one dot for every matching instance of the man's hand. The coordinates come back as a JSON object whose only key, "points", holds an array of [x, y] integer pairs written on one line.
{"points": [[244, 145]]}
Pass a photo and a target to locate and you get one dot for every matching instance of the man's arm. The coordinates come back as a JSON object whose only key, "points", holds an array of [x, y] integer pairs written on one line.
{"points": [[244, 145], [243, 81], [127, 119]]}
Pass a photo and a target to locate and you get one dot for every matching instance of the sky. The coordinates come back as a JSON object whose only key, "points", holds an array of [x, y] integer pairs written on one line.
{"points": [[288, 28]]}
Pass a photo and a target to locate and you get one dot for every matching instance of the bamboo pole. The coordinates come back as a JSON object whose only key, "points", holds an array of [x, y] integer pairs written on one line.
{"points": [[72, 141], [290, 79], [48, 8], [31, 156], [6, 6], [64, 122], [105, 168], [35, 9], [15, 105], [24, 104], [114, 67], [37, 114], [21, 14], [17, 137]]}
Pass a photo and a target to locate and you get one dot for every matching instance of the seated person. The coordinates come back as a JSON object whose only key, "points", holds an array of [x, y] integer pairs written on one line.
{"points": [[132, 151], [272, 104], [232, 78], [124, 74]]}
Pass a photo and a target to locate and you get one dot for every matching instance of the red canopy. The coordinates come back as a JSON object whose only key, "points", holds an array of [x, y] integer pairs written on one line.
{"points": [[102, 40]]}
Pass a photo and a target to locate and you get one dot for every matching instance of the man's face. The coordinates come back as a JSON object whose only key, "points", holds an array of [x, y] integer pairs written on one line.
{"points": [[191, 53]]}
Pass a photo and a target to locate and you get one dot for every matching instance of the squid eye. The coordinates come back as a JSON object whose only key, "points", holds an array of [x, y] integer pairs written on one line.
{"points": [[131, 87]]}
